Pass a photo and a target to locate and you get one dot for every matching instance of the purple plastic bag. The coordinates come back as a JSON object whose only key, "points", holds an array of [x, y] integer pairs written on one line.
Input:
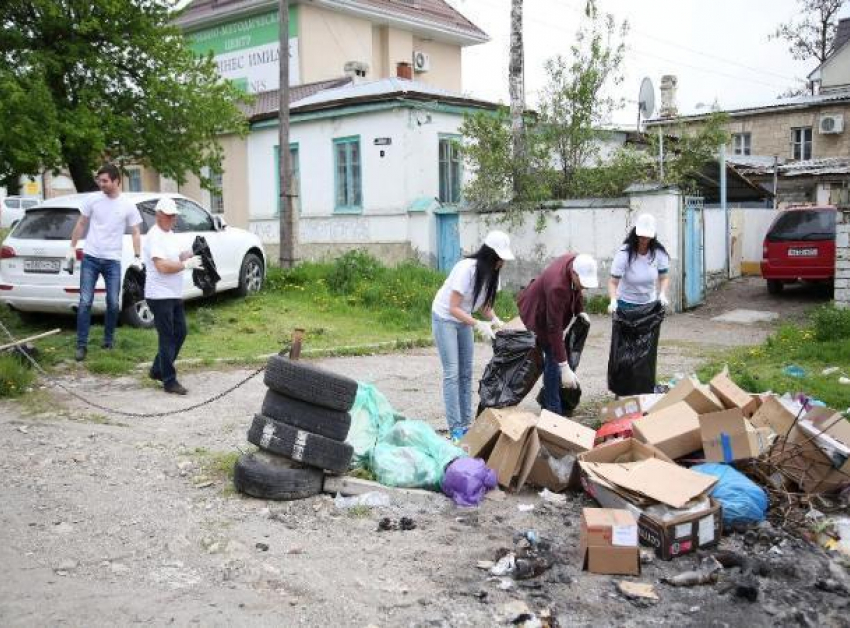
{"points": [[467, 480]]}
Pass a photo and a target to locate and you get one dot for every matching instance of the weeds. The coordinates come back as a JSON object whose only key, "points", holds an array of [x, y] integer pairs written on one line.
{"points": [[360, 511], [15, 377]]}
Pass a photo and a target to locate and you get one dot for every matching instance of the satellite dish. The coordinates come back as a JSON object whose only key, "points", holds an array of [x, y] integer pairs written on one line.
{"points": [[646, 100]]}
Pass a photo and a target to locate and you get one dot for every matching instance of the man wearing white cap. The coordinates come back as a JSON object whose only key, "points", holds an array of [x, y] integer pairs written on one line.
{"points": [[547, 306], [165, 264]]}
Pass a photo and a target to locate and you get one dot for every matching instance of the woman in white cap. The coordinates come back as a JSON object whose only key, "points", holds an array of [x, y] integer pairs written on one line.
{"points": [[639, 269], [547, 306], [470, 287]]}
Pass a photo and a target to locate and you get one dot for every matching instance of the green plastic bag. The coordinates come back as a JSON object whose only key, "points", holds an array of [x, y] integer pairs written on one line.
{"points": [[412, 455], [372, 417]]}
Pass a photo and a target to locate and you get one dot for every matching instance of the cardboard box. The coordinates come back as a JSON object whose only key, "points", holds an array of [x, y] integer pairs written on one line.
{"points": [[674, 430], [732, 395], [609, 542], [696, 395], [553, 447], [629, 450], [501, 437], [681, 535], [634, 406], [773, 414], [728, 436]]}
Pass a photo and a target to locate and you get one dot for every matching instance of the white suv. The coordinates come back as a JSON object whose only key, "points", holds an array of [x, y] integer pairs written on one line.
{"points": [[32, 277], [12, 208]]}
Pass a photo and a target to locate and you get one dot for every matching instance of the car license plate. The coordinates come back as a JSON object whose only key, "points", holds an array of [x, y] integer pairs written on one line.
{"points": [[802, 252], [42, 265]]}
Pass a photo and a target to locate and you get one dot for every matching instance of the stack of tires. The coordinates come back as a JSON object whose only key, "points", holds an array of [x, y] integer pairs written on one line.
{"points": [[301, 432]]}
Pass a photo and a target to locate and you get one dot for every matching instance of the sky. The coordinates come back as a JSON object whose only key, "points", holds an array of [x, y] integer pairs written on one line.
{"points": [[718, 49]]}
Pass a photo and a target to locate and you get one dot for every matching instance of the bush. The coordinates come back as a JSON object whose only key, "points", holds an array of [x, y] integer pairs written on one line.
{"points": [[15, 377], [831, 323], [597, 304], [351, 268]]}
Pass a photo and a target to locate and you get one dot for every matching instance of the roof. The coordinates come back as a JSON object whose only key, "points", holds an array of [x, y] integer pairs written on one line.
{"points": [[842, 38], [266, 103], [810, 167], [427, 16], [383, 90]]}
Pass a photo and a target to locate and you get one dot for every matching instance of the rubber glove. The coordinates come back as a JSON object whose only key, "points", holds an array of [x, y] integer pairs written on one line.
{"points": [[70, 255], [193, 263], [496, 322], [485, 329], [612, 306], [664, 301], [584, 316], [137, 263], [568, 377]]}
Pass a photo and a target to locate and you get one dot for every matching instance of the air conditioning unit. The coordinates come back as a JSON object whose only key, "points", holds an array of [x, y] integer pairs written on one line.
{"points": [[833, 123], [421, 61]]}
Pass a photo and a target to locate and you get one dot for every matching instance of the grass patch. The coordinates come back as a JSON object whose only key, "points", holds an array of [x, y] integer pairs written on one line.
{"points": [[346, 306], [597, 304], [360, 511], [15, 377], [824, 342]]}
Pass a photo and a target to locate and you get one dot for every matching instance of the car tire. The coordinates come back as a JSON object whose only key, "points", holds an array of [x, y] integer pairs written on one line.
{"points": [[322, 421], [138, 314], [259, 476], [774, 286], [310, 383], [251, 275], [299, 445]]}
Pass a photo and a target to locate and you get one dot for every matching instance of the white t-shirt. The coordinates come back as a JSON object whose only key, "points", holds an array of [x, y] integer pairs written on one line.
{"points": [[108, 220], [638, 280], [163, 245], [462, 280]]}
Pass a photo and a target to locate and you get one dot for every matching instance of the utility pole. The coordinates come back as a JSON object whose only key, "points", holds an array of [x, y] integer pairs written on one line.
{"points": [[286, 226], [516, 80]]}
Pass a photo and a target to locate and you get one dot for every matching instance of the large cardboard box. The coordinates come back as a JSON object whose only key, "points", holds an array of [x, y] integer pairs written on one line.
{"points": [[553, 448], [634, 406], [732, 395], [696, 395], [674, 430], [728, 436], [501, 437], [609, 542]]}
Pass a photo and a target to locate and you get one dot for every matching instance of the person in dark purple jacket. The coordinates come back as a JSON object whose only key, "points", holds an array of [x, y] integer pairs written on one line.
{"points": [[547, 306]]}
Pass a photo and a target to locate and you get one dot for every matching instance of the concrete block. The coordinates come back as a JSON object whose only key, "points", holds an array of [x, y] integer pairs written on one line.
{"points": [[842, 265], [842, 283], [842, 238]]}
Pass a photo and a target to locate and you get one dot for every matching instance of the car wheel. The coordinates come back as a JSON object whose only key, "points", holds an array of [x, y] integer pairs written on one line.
{"points": [[310, 383], [299, 445], [251, 275], [138, 314], [774, 286], [260, 476]]}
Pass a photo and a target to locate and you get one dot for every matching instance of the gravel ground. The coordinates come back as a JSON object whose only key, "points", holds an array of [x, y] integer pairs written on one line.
{"points": [[112, 521]]}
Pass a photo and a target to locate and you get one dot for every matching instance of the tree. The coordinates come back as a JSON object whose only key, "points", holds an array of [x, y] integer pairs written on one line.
{"points": [[691, 150], [516, 84], [115, 81], [810, 36], [575, 103]]}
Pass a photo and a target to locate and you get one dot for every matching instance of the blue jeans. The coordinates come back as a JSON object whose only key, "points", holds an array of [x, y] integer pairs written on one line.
{"points": [[455, 345], [551, 382], [90, 270], [170, 322]]}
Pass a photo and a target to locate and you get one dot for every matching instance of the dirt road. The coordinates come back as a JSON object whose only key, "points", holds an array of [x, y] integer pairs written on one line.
{"points": [[112, 521]]}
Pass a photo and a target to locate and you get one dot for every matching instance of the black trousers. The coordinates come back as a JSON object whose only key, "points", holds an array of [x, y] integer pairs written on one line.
{"points": [[170, 322]]}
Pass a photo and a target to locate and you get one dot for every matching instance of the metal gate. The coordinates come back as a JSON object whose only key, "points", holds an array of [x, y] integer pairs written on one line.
{"points": [[448, 241], [693, 258]]}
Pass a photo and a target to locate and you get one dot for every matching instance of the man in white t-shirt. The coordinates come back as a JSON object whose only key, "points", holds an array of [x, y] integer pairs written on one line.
{"points": [[165, 263], [106, 215]]}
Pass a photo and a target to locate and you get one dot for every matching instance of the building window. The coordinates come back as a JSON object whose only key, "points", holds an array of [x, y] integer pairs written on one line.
{"points": [[741, 143], [801, 143], [347, 176], [216, 194], [450, 180], [296, 177], [134, 180]]}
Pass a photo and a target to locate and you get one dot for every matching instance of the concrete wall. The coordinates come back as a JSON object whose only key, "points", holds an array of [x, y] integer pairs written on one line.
{"points": [[836, 73], [842, 259], [715, 246], [234, 179], [328, 40], [445, 69]]}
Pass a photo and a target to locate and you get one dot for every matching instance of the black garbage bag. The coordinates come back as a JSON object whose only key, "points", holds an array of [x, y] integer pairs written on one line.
{"points": [[512, 372], [634, 349], [207, 277], [134, 285], [574, 344]]}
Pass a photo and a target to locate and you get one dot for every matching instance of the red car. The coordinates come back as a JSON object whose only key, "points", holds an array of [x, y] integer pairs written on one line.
{"points": [[799, 246]]}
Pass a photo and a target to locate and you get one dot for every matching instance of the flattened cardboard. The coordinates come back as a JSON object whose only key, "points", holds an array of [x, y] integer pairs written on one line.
{"points": [[564, 433], [696, 395], [609, 542], [674, 430], [662, 481], [728, 436], [732, 395], [629, 450], [636, 405]]}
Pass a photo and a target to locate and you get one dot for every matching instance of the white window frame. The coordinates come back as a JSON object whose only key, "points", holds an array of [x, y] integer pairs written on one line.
{"points": [[742, 144], [799, 143]]}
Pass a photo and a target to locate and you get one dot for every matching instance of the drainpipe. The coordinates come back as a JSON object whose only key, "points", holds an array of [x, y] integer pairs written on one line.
{"points": [[775, 180], [724, 206]]}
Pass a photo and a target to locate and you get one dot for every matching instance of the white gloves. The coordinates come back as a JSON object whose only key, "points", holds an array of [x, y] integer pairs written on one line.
{"points": [[584, 316], [568, 377], [193, 263], [664, 301], [137, 263], [485, 329], [71, 255], [612, 306], [496, 322]]}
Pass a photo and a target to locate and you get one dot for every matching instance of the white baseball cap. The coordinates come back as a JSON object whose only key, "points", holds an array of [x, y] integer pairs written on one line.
{"points": [[501, 243], [585, 267], [645, 226], [167, 206]]}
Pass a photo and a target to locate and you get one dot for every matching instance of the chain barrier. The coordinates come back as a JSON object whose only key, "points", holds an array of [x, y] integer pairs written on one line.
{"points": [[138, 415]]}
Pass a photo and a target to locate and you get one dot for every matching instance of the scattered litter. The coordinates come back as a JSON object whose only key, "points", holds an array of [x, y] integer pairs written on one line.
{"points": [[830, 370], [370, 500], [647, 556], [706, 574], [404, 524], [263, 547], [525, 507], [794, 371], [743, 500], [23, 429], [637, 590], [486, 565], [552, 498], [844, 380], [467, 481], [504, 566]]}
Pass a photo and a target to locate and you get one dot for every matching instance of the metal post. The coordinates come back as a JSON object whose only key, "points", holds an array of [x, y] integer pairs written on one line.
{"points": [[661, 153], [725, 207], [775, 181], [286, 225]]}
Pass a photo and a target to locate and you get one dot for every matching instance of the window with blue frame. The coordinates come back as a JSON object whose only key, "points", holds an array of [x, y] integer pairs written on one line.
{"points": [[450, 164], [134, 180], [295, 169], [348, 182]]}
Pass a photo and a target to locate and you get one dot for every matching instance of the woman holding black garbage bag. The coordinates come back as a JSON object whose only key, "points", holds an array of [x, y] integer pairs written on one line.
{"points": [[638, 292]]}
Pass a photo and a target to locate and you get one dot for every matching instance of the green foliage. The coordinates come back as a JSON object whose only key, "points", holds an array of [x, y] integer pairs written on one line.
{"points": [[15, 377], [111, 78], [597, 304], [693, 148], [351, 268], [831, 323]]}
